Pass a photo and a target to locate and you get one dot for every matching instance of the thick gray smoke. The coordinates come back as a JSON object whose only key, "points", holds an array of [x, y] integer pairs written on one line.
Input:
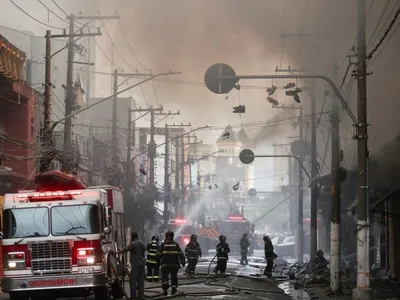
{"points": [[190, 35]]}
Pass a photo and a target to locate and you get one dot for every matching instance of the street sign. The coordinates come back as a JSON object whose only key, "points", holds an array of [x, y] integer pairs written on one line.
{"points": [[252, 192], [214, 83], [246, 156]]}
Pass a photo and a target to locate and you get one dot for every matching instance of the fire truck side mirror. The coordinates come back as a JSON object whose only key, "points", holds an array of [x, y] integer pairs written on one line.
{"points": [[107, 215]]}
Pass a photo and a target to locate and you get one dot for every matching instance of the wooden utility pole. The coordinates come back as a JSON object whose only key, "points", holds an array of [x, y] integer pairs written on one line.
{"points": [[363, 269], [114, 131], [68, 156], [314, 174], [300, 221], [47, 139], [167, 184]]}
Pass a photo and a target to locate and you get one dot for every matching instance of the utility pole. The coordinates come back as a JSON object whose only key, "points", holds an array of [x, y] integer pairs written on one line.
{"points": [[128, 171], [182, 167], [363, 287], [68, 153], [114, 131], [45, 159], [300, 154], [167, 185], [114, 134], [300, 231], [335, 191], [314, 174]]}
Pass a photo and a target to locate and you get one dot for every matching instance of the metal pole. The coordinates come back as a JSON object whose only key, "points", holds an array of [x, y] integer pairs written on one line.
{"points": [[335, 190], [90, 140], [114, 136], [46, 157], [177, 201], [167, 186], [314, 173], [68, 153], [152, 149], [300, 232], [133, 165], [129, 148], [362, 291], [182, 157]]}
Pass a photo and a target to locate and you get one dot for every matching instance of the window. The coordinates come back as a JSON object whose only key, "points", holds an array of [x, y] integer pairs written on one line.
{"points": [[26, 222], [75, 220]]}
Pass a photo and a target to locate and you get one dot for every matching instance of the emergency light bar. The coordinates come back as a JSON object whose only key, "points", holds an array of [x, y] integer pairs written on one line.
{"points": [[236, 218], [48, 196]]}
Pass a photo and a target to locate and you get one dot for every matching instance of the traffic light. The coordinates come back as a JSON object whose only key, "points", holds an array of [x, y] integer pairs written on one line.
{"points": [[241, 109]]}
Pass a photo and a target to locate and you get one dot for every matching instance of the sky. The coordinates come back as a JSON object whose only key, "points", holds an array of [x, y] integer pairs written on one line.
{"points": [[190, 35]]}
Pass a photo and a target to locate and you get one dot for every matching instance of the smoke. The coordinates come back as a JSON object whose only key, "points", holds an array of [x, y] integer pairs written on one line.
{"points": [[190, 35]]}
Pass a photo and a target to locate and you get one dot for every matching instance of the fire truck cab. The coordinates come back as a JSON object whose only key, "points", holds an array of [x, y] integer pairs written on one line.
{"points": [[56, 240], [182, 230]]}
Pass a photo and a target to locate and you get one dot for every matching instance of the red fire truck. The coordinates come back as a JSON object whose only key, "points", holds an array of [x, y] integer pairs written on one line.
{"points": [[56, 240]]}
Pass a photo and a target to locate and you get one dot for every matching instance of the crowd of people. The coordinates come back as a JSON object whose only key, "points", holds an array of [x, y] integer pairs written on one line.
{"points": [[169, 257]]}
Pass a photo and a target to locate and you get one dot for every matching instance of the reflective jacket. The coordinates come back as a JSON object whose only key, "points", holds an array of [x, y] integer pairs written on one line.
{"points": [[152, 249], [244, 245], [170, 255], [193, 250], [223, 250]]}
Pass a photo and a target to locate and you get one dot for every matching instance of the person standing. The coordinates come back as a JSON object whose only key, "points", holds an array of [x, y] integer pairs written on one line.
{"points": [[244, 248], [269, 256], [192, 252], [137, 251], [170, 257], [222, 255], [151, 261]]}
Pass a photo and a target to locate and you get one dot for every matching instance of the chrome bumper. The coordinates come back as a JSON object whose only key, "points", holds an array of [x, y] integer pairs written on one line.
{"points": [[32, 283]]}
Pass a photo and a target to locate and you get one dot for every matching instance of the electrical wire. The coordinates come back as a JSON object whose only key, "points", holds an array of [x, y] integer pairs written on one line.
{"points": [[56, 15], [371, 54], [378, 23], [33, 18]]}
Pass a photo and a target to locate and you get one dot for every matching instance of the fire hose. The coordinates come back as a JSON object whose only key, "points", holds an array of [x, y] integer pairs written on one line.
{"points": [[207, 280]]}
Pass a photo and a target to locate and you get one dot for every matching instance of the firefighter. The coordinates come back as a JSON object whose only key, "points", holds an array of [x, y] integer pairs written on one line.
{"points": [[222, 255], [137, 251], [192, 252], [151, 261], [170, 257], [269, 256], [244, 248]]}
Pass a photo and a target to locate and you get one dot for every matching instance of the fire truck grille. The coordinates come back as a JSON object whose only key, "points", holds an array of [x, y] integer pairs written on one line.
{"points": [[51, 257]]}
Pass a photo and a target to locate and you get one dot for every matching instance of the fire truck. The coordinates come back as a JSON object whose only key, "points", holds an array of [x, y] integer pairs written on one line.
{"points": [[233, 228], [182, 230], [56, 240]]}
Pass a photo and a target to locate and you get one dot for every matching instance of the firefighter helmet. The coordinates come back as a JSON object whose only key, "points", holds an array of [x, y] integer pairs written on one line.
{"points": [[244, 235], [170, 234], [266, 238], [193, 237], [155, 238], [222, 238]]}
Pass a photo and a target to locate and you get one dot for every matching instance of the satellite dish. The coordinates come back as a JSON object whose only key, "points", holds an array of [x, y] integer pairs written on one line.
{"points": [[215, 84], [246, 156]]}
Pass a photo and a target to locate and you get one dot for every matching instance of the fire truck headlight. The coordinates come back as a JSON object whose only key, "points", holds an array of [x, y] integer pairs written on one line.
{"points": [[90, 260], [16, 260], [16, 265]]}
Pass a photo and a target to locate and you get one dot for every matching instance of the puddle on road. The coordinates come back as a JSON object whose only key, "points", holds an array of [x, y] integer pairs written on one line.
{"points": [[295, 294]]}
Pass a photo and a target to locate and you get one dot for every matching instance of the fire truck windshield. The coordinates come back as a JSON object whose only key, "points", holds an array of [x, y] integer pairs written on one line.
{"points": [[75, 220], [26, 222]]}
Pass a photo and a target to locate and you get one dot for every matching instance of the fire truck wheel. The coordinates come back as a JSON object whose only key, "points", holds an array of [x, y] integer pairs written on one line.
{"points": [[18, 296], [101, 293]]}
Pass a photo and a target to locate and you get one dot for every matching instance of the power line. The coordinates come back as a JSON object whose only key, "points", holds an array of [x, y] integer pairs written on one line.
{"points": [[33, 18], [379, 21], [384, 35], [65, 21], [130, 46]]}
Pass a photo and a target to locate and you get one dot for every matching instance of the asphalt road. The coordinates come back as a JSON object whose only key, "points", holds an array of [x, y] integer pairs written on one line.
{"points": [[239, 285]]}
